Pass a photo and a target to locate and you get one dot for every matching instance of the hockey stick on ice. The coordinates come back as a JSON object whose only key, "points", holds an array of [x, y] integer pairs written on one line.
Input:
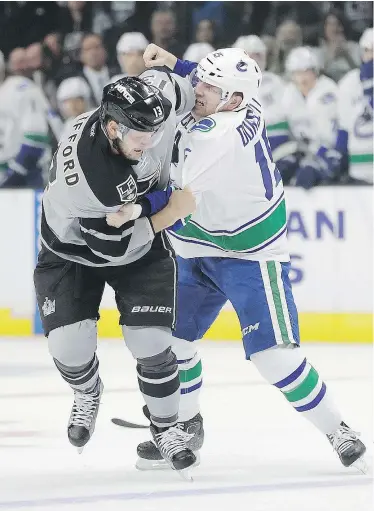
{"points": [[127, 424]]}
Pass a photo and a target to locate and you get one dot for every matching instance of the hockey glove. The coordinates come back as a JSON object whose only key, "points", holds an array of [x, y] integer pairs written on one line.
{"points": [[287, 166]]}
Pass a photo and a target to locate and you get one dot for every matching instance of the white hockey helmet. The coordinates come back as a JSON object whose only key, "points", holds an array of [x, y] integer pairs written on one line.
{"points": [[250, 44], [197, 51], [366, 40], [302, 59], [232, 70], [131, 42], [75, 87], [253, 44]]}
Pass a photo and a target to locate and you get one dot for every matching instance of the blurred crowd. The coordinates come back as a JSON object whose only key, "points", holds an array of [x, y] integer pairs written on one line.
{"points": [[56, 57]]}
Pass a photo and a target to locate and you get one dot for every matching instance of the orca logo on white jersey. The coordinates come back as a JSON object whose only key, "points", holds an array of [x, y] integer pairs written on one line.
{"points": [[206, 124]]}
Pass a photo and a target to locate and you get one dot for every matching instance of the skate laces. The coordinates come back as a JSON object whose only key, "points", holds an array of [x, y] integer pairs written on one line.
{"points": [[172, 440], [84, 408], [343, 438], [184, 434]]}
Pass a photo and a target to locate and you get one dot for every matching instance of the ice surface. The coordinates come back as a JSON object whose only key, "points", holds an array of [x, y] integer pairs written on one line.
{"points": [[259, 454]]}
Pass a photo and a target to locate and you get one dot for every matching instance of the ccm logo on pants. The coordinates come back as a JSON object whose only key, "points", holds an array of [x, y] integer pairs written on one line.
{"points": [[151, 308], [250, 328]]}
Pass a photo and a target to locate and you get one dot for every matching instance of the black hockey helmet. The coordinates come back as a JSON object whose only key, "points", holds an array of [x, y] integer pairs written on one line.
{"points": [[134, 104]]}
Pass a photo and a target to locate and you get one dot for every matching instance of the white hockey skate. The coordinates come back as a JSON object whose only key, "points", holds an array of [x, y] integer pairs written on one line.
{"points": [[83, 416]]}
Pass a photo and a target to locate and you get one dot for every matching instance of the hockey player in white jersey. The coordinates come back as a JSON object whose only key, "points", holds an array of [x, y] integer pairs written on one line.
{"points": [[73, 98], [311, 110], [270, 96], [23, 133], [356, 114], [234, 246], [130, 49]]}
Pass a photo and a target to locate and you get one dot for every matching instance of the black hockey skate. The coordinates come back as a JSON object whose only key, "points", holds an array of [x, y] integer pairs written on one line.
{"points": [[349, 448], [150, 458], [171, 443], [83, 416]]}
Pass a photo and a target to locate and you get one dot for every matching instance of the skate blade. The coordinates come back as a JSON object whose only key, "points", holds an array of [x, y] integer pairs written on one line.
{"points": [[144, 465], [361, 466], [186, 474]]}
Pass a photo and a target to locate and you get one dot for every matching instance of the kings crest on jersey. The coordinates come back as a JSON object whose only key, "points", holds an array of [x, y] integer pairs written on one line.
{"points": [[87, 180], [127, 190]]}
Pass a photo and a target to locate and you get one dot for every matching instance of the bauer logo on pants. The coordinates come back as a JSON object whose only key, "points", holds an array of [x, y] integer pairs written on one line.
{"points": [[151, 308]]}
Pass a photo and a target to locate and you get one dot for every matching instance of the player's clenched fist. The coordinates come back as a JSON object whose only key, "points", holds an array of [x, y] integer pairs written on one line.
{"points": [[156, 56], [182, 203]]}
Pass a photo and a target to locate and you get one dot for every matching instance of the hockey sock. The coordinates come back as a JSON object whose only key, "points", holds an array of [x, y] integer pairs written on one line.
{"points": [[190, 376], [300, 383], [83, 378]]}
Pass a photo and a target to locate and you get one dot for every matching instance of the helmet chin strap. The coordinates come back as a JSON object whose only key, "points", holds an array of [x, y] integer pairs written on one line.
{"points": [[225, 98]]}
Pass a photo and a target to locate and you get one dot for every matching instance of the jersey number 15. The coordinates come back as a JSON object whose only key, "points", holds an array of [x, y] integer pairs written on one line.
{"points": [[264, 158]]}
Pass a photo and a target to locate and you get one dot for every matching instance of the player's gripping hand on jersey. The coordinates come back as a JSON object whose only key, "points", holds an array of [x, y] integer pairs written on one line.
{"points": [[181, 204]]}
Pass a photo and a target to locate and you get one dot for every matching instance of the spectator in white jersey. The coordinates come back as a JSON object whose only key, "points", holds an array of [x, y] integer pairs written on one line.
{"points": [[310, 108], [270, 94], [24, 138], [130, 49], [355, 137]]}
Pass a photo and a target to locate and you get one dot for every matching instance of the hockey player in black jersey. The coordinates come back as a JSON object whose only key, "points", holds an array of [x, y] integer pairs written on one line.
{"points": [[115, 155]]}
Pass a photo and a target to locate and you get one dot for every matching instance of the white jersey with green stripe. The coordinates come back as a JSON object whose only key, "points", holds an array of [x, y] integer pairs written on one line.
{"points": [[270, 95], [356, 118], [23, 118], [313, 120], [241, 213]]}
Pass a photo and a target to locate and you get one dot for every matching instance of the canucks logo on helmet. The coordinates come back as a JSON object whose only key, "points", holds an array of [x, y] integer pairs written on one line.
{"points": [[242, 66]]}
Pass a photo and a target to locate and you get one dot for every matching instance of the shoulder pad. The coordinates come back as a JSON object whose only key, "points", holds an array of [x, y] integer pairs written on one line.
{"points": [[351, 79]]}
